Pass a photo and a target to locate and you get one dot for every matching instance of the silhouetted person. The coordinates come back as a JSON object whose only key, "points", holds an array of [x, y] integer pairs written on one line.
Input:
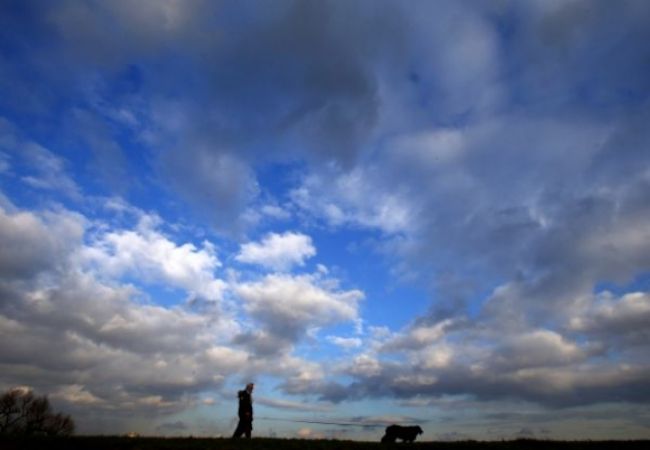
{"points": [[245, 425]]}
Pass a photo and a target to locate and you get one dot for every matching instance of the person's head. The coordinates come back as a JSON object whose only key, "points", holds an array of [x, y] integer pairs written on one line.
{"points": [[249, 387]]}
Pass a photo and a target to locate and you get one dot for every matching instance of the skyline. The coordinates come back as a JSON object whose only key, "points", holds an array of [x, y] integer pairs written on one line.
{"points": [[424, 212]]}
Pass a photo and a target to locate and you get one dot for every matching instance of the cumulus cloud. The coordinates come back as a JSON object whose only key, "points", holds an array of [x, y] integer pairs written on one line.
{"points": [[621, 322], [115, 351], [92, 342], [288, 305], [278, 251], [539, 348], [419, 336], [491, 360], [32, 244], [487, 364], [151, 255]]}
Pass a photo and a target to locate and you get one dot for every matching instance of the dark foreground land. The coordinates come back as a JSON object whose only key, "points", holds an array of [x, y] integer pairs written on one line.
{"points": [[124, 443]]}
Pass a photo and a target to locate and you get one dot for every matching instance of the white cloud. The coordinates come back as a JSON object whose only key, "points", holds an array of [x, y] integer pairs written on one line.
{"points": [[355, 198], [145, 251], [116, 353], [435, 357], [289, 305], [538, 348], [278, 251], [419, 336], [275, 212], [76, 393], [345, 343], [90, 341], [365, 366]]}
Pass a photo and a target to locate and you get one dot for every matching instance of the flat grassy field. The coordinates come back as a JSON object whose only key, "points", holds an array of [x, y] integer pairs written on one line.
{"points": [[144, 443]]}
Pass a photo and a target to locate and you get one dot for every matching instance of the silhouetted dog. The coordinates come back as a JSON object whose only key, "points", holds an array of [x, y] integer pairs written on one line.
{"points": [[406, 434]]}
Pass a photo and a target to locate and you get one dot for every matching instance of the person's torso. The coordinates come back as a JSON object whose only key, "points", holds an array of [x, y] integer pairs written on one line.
{"points": [[245, 403]]}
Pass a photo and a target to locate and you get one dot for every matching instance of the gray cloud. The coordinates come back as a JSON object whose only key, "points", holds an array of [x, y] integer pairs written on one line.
{"points": [[617, 322], [287, 306], [31, 246], [264, 343]]}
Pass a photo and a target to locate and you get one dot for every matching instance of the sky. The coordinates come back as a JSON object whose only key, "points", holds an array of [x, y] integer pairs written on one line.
{"points": [[424, 212]]}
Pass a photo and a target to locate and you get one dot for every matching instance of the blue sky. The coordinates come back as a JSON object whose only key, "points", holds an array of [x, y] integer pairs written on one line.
{"points": [[431, 212]]}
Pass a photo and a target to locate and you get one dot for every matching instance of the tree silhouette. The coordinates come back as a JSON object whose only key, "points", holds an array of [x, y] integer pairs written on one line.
{"points": [[21, 412]]}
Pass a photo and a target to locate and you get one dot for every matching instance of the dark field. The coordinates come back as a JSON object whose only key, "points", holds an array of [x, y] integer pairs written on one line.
{"points": [[123, 443]]}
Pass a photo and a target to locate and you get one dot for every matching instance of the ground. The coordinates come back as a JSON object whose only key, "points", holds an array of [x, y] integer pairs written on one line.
{"points": [[124, 443]]}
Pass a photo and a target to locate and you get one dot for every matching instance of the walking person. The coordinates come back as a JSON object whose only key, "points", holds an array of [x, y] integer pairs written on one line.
{"points": [[245, 425]]}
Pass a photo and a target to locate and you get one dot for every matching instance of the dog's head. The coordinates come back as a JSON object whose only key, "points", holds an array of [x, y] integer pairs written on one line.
{"points": [[419, 429]]}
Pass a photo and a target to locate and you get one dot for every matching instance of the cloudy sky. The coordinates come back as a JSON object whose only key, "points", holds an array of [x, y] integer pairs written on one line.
{"points": [[426, 212]]}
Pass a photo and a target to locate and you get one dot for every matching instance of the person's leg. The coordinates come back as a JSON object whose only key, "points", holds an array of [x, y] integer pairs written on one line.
{"points": [[238, 431]]}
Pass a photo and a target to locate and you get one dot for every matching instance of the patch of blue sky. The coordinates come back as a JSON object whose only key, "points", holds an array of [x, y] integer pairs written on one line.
{"points": [[350, 256], [160, 294], [276, 179], [640, 283], [24, 196]]}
